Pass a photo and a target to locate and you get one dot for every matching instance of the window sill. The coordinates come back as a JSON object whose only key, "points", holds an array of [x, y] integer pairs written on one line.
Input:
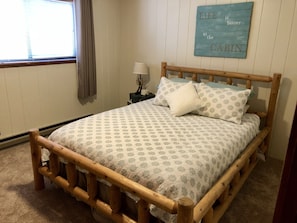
{"points": [[37, 62]]}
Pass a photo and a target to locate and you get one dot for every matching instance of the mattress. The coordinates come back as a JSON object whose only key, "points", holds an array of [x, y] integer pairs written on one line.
{"points": [[174, 156]]}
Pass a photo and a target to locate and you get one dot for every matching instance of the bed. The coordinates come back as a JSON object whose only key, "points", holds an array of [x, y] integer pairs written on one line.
{"points": [[179, 157]]}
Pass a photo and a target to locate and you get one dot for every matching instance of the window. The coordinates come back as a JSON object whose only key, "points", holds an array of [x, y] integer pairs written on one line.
{"points": [[36, 30]]}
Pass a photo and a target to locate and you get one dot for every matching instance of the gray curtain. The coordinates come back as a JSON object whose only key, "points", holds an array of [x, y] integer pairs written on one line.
{"points": [[85, 55]]}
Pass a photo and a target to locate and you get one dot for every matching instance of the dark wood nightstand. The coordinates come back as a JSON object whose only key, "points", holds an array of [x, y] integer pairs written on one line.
{"points": [[134, 98]]}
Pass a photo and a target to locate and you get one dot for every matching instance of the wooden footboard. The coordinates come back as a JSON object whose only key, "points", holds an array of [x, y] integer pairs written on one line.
{"points": [[214, 204], [183, 207], [209, 209]]}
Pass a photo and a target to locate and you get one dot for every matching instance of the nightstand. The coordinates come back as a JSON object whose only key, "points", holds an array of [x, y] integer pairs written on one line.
{"points": [[134, 98]]}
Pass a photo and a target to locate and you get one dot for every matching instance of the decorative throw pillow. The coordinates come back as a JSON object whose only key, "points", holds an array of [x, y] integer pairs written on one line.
{"points": [[183, 100], [222, 103], [166, 86]]}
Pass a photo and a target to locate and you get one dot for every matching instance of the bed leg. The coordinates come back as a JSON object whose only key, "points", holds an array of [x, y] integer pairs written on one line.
{"points": [[185, 210], [36, 160], [209, 216], [143, 212]]}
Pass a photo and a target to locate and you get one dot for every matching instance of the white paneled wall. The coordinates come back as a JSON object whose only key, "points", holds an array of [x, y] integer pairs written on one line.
{"points": [[37, 97], [107, 35], [164, 30]]}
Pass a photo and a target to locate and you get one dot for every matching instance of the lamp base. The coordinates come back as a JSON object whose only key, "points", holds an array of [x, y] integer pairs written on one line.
{"points": [[139, 82], [139, 90]]}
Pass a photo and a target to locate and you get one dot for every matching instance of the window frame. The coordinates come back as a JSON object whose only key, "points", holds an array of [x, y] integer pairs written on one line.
{"points": [[37, 62]]}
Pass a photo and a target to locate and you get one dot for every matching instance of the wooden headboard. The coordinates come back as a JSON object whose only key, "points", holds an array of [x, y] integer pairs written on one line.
{"points": [[230, 78]]}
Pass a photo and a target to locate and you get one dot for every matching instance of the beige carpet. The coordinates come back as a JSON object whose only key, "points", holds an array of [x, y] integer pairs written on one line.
{"points": [[19, 202]]}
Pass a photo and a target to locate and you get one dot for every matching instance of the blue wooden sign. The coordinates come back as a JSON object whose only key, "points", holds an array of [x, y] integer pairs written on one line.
{"points": [[223, 30]]}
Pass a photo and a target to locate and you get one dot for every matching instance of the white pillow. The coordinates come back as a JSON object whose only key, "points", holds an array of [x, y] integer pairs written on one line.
{"points": [[166, 87], [183, 100], [222, 103]]}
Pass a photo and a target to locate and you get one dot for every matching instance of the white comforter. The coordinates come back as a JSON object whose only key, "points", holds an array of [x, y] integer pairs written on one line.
{"points": [[174, 156]]}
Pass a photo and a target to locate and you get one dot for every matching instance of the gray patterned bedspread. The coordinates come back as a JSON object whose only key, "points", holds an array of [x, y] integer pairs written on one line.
{"points": [[174, 156]]}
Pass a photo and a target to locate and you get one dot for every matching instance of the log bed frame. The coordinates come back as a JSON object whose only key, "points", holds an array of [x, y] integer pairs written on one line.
{"points": [[209, 209]]}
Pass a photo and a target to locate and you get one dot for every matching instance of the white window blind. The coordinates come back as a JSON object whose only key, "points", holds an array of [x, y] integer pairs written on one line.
{"points": [[36, 29]]}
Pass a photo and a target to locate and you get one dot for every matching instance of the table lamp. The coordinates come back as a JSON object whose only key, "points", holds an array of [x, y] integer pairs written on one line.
{"points": [[140, 69]]}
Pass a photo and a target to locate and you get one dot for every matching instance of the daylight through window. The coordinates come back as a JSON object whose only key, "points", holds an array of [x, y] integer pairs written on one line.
{"points": [[36, 29]]}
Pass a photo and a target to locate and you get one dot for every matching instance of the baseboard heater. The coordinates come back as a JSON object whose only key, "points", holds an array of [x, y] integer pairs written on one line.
{"points": [[24, 137]]}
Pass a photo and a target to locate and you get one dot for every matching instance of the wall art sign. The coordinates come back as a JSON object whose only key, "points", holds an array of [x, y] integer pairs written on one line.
{"points": [[223, 30]]}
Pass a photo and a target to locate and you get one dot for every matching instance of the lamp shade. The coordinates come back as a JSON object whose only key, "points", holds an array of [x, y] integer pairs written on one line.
{"points": [[140, 68]]}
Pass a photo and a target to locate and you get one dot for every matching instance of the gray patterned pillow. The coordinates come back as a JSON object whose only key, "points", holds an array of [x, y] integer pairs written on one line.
{"points": [[222, 103], [166, 86]]}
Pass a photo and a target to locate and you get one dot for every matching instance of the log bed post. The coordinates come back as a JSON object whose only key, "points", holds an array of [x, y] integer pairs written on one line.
{"points": [[185, 210], [143, 211], [115, 198], [71, 174], [36, 159], [271, 107], [91, 186], [163, 69]]}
